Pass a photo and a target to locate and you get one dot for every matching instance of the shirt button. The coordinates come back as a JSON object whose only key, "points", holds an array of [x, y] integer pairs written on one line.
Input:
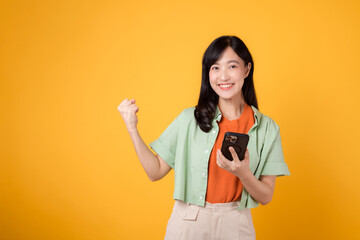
{"points": [[214, 131], [201, 197], [206, 151], [203, 174]]}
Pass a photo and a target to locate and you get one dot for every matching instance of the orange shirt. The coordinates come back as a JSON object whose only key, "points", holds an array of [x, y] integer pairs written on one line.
{"points": [[222, 185]]}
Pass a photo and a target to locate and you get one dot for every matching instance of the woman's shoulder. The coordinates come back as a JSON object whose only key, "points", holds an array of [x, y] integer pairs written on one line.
{"points": [[189, 111], [265, 121], [186, 114]]}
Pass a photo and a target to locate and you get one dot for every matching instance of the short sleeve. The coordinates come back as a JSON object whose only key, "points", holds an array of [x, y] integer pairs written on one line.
{"points": [[165, 146], [272, 153]]}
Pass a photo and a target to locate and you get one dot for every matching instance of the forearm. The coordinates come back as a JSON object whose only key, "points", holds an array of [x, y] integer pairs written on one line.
{"points": [[147, 158], [260, 191]]}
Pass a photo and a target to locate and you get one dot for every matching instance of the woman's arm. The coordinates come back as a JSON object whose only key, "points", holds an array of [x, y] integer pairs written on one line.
{"points": [[155, 167], [261, 190]]}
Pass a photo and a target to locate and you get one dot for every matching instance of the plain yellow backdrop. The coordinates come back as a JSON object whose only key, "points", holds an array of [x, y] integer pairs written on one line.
{"points": [[68, 169]]}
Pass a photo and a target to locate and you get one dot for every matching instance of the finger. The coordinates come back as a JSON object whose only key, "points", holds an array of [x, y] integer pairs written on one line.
{"points": [[128, 102], [246, 154], [226, 162], [220, 154], [218, 158], [219, 162], [133, 108], [234, 154], [122, 103], [222, 159], [125, 102], [136, 109]]}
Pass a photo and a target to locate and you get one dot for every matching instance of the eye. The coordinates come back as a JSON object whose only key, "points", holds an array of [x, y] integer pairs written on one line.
{"points": [[232, 66], [214, 68]]}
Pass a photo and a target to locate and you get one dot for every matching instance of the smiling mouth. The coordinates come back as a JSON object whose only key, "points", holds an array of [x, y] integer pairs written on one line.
{"points": [[226, 86]]}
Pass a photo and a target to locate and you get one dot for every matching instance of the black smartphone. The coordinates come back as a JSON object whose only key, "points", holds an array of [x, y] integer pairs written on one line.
{"points": [[238, 141]]}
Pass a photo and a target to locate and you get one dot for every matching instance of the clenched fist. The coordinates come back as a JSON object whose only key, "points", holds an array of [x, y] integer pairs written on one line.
{"points": [[128, 110]]}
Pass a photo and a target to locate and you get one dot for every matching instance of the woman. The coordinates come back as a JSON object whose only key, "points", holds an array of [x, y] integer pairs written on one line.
{"points": [[213, 195]]}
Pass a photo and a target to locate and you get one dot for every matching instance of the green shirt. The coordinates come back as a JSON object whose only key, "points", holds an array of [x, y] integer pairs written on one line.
{"points": [[186, 149]]}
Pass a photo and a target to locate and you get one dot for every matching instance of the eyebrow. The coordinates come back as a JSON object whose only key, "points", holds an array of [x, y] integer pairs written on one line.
{"points": [[228, 62]]}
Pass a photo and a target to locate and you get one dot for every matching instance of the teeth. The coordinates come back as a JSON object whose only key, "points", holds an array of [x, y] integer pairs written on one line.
{"points": [[225, 85]]}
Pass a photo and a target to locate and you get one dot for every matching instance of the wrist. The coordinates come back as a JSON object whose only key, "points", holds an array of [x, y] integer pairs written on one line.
{"points": [[132, 130], [244, 175]]}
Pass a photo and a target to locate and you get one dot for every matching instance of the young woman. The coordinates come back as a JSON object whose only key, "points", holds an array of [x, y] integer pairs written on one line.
{"points": [[213, 195]]}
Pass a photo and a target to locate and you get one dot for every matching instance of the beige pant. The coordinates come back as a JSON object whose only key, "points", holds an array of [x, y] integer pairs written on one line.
{"points": [[219, 221]]}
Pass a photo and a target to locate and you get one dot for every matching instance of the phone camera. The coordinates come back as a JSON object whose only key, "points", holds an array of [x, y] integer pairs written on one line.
{"points": [[231, 139]]}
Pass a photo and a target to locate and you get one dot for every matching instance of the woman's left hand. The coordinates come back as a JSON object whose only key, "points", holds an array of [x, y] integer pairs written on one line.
{"points": [[236, 167]]}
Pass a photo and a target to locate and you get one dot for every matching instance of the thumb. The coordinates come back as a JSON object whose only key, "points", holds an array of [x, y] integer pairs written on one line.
{"points": [[234, 154]]}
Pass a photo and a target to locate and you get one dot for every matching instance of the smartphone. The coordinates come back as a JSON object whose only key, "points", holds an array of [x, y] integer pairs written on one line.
{"points": [[238, 141]]}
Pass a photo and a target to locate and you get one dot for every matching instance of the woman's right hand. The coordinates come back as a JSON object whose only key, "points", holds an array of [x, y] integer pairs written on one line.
{"points": [[128, 110]]}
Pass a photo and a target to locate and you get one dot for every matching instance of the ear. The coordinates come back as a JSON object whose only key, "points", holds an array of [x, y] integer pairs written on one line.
{"points": [[248, 67]]}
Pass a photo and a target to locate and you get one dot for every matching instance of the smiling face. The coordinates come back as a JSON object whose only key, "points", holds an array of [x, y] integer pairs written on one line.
{"points": [[227, 75]]}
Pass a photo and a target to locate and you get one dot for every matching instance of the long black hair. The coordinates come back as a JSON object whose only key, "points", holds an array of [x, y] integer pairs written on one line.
{"points": [[206, 108]]}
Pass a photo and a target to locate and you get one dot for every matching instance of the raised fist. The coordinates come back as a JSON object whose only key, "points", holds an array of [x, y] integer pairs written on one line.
{"points": [[128, 110]]}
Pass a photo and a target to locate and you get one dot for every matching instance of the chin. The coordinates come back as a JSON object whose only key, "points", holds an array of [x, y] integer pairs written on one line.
{"points": [[226, 97]]}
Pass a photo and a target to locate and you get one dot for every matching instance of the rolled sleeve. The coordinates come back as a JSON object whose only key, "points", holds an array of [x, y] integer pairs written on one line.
{"points": [[165, 146], [273, 154]]}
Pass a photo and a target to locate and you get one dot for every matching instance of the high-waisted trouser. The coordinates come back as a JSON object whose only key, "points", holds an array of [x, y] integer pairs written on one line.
{"points": [[218, 221]]}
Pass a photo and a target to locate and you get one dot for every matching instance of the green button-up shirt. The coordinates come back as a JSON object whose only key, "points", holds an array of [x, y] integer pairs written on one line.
{"points": [[186, 149]]}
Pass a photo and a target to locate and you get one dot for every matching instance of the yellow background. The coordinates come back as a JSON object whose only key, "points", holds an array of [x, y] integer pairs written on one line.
{"points": [[68, 169]]}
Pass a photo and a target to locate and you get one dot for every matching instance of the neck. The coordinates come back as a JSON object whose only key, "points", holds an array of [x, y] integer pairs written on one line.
{"points": [[232, 108]]}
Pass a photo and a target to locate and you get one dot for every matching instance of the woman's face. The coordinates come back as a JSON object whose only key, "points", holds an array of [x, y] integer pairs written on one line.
{"points": [[227, 75]]}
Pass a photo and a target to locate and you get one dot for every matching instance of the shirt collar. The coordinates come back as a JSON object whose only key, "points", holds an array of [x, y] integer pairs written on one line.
{"points": [[217, 114], [257, 114]]}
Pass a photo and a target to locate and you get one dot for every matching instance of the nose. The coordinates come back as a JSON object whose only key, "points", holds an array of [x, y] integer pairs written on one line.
{"points": [[224, 75]]}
